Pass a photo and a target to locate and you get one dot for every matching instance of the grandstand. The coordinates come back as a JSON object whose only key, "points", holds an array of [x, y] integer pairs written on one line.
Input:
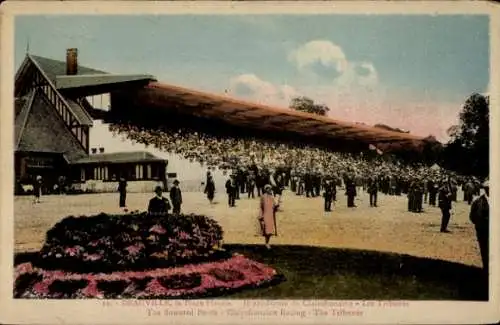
{"points": [[54, 116], [186, 103]]}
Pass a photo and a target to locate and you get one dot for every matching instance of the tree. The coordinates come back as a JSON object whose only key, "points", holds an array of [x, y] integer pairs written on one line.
{"points": [[468, 150], [431, 151], [305, 104]]}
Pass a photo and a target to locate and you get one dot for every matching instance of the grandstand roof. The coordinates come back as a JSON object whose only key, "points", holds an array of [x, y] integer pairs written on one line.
{"points": [[266, 117], [78, 81]]}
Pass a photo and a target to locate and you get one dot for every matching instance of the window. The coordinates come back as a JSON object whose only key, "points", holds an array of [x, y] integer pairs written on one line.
{"points": [[139, 172], [148, 171], [101, 173], [84, 138], [82, 174], [97, 173]]}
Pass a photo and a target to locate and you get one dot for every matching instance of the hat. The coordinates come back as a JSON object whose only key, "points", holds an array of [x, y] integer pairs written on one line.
{"points": [[176, 182], [158, 188], [267, 187]]}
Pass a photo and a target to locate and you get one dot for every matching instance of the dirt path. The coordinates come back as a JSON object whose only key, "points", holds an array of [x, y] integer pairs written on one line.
{"points": [[388, 228]]}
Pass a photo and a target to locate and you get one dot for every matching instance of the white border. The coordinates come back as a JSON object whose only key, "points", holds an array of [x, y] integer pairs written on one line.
{"points": [[93, 312]]}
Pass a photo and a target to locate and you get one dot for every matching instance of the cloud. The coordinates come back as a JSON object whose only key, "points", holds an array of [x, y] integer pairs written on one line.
{"points": [[327, 61], [251, 87], [324, 53]]}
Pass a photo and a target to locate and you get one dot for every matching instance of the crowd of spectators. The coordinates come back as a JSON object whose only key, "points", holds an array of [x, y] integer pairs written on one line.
{"points": [[233, 154]]}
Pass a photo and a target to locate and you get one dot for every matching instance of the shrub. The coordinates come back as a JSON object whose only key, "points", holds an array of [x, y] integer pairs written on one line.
{"points": [[227, 275], [107, 243], [66, 288], [25, 282], [181, 281], [141, 283], [111, 288]]}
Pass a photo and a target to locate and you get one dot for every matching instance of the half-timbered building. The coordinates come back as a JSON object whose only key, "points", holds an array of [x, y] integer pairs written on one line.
{"points": [[53, 117]]}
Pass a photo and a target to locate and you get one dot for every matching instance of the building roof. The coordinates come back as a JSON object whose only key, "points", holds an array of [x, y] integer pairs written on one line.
{"points": [[41, 64], [54, 68], [118, 157], [78, 81], [38, 128], [23, 108], [247, 114]]}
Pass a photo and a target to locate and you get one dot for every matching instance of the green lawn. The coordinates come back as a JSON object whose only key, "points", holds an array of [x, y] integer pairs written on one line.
{"points": [[329, 273]]}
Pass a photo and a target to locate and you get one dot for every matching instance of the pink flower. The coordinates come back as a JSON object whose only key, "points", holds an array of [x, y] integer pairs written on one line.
{"points": [[134, 249], [92, 257], [72, 251], [91, 290], [158, 229], [42, 287], [24, 268], [254, 273]]}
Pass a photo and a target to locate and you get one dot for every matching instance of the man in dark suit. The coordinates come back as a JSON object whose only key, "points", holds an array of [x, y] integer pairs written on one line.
{"points": [[158, 205], [411, 197], [328, 194], [316, 184], [176, 197], [37, 188], [480, 217], [350, 191], [240, 183], [372, 190], [468, 189], [251, 184], [260, 181], [418, 193], [432, 189], [122, 189], [444, 199], [231, 189], [308, 184]]}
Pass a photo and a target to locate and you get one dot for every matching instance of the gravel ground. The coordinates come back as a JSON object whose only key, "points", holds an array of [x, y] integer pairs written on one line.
{"points": [[302, 221]]}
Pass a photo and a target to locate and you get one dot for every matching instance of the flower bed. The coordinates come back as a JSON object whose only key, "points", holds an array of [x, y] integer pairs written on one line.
{"points": [[108, 243], [188, 281]]}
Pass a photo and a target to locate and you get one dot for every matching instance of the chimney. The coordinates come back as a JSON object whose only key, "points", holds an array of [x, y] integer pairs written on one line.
{"points": [[101, 150], [71, 62]]}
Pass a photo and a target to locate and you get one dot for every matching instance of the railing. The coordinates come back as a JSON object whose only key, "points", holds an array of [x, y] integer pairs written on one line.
{"points": [[79, 131]]}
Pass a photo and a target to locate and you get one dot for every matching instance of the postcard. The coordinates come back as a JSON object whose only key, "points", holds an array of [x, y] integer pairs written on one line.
{"points": [[249, 162]]}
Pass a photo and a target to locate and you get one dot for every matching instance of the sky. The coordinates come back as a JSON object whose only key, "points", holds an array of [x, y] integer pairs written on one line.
{"points": [[412, 72]]}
